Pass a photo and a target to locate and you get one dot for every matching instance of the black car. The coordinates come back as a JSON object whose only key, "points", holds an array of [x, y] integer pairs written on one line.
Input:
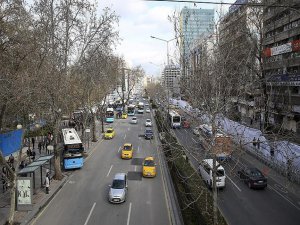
{"points": [[148, 134], [253, 177]]}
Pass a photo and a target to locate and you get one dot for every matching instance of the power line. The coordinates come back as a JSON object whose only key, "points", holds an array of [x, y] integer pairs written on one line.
{"points": [[227, 3]]}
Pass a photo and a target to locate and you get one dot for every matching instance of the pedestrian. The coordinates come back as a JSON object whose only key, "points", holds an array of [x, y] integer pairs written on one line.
{"points": [[33, 154], [40, 147], [11, 160], [4, 182], [47, 182], [272, 151], [4, 171], [254, 142], [251, 121], [28, 152], [33, 141], [258, 143]]}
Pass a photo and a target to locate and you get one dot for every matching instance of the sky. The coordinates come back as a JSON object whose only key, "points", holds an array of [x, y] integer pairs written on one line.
{"points": [[141, 19]]}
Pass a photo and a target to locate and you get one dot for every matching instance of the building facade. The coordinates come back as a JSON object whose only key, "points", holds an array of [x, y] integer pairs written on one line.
{"points": [[281, 66], [170, 79], [194, 24]]}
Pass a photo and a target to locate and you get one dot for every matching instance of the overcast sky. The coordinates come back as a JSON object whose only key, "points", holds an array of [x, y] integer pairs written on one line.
{"points": [[141, 19]]}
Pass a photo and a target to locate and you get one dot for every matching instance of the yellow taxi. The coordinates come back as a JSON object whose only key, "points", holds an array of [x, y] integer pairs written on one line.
{"points": [[124, 115], [127, 151], [149, 167], [109, 133]]}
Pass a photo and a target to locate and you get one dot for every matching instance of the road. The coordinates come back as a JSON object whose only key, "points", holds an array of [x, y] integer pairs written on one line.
{"points": [[84, 198], [238, 203]]}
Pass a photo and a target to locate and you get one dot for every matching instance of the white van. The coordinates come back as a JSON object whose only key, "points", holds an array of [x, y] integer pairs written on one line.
{"points": [[205, 169]]}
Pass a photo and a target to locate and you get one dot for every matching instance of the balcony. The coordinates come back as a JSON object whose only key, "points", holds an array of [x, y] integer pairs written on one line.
{"points": [[285, 20], [282, 35]]}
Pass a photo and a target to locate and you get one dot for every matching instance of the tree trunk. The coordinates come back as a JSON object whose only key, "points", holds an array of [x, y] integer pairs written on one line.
{"points": [[2, 113], [57, 165], [94, 139]]}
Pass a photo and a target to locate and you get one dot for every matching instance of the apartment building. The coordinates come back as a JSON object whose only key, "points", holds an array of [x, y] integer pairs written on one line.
{"points": [[281, 66], [238, 46]]}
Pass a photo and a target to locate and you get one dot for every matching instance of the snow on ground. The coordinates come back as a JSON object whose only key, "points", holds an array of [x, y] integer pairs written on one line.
{"points": [[242, 134]]}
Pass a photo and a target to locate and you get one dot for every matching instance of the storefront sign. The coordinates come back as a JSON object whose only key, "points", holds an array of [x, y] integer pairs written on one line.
{"points": [[281, 49], [24, 193]]}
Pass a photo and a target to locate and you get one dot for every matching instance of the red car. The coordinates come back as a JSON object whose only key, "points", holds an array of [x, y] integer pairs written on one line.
{"points": [[186, 124]]}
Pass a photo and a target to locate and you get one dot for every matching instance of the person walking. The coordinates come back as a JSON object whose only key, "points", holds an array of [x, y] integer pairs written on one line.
{"points": [[254, 142], [47, 182], [33, 141], [258, 143], [11, 160], [40, 147]]}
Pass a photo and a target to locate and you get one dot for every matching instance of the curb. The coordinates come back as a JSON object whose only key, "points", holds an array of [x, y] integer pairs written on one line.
{"points": [[173, 205], [44, 203]]}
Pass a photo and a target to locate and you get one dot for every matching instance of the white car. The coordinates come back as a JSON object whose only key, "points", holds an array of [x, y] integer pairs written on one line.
{"points": [[134, 120], [147, 110], [148, 123], [196, 131]]}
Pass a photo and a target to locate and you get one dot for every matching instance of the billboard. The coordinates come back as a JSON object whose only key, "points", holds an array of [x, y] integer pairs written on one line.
{"points": [[11, 142]]}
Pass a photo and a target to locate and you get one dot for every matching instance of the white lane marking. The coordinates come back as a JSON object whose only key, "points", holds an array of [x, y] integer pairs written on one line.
{"points": [[284, 197], [124, 136], [194, 140], [185, 131], [109, 170], [234, 183], [129, 212], [135, 168], [119, 149], [138, 149], [88, 218], [128, 128]]}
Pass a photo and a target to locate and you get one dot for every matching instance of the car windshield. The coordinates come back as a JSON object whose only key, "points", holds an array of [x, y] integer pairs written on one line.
{"points": [[133, 118], [148, 120], [256, 173], [220, 173], [118, 184], [127, 147], [109, 131], [148, 131], [149, 163]]}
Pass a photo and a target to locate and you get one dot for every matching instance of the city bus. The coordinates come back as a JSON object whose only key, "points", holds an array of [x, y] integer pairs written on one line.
{"points": [[175, 119], [131, 110], [206, 168], [110, 115], [141, 108], [73, 149], [220, 145]]}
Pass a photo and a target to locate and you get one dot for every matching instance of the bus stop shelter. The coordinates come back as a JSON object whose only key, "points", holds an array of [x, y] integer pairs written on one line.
{"points": [[35, 165]]}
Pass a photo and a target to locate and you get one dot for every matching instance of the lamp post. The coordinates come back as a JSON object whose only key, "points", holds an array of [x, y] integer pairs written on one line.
{"points": [[167, 41]]}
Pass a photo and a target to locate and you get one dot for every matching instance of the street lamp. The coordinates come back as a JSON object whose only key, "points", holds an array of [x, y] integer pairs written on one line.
{"points": [[167, 41]]}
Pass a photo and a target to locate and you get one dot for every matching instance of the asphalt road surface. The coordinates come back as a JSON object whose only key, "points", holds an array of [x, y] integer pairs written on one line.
{"points": [[238, 203], [84, 198]]}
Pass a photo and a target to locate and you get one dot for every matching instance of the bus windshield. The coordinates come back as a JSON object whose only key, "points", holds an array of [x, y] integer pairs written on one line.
{"points": [[176, 119]]}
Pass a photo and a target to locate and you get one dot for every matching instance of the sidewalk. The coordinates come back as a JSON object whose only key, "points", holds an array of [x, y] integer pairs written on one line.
{"points": [[40, 198]]}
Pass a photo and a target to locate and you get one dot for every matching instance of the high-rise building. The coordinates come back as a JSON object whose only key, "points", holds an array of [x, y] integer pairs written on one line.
{"points": [[194, 24], [171, 76], [281, 66]]}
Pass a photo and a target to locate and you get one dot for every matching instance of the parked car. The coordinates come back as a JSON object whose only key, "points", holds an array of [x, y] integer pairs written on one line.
{"points": [[149, 167], [196, 131], [118, 189], [134, 120], [253, 177], [147, 110], [148, 133], [148, 123]]}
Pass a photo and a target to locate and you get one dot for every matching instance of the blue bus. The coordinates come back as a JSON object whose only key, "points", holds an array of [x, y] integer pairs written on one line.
{"points": [[110, 115], [131, 110], [73, 149]]}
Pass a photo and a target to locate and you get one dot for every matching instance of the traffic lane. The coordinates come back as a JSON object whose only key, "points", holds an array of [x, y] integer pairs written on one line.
{"points": [[272, 184], [146, 195], [84, 187], [265, 206]]}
